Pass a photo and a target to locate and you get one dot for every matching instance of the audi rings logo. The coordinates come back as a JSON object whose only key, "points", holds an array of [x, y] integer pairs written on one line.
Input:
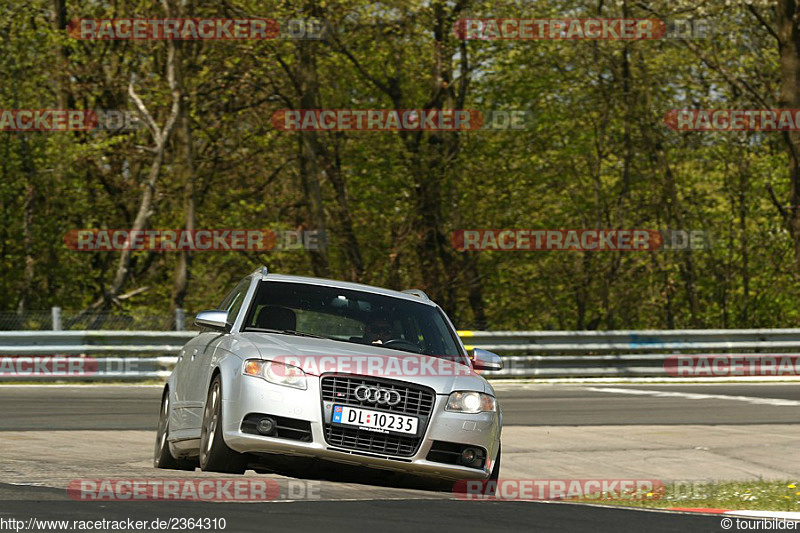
{"points": [[377, 395]]}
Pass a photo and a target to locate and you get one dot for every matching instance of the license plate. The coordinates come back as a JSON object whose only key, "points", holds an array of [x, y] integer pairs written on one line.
{"points": [[374, 420]]}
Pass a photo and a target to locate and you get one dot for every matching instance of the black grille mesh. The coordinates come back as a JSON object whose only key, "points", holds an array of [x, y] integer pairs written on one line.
{"points": [[415, 400], [370, 441]]}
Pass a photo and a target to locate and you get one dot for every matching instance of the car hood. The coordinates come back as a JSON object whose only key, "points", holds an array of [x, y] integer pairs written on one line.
{"points": [[319, 356]]}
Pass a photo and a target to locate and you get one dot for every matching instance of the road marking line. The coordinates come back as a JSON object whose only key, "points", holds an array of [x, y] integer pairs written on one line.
{"points": [[739, 380], [33, 385], [695, 396], [780, 515]]}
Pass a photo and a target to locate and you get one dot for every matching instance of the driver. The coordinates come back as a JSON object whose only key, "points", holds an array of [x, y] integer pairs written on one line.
{"points": [[378, 331]]}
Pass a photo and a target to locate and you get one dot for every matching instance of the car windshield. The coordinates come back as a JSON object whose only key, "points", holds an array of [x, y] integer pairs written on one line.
{"points": [[352, 316]]}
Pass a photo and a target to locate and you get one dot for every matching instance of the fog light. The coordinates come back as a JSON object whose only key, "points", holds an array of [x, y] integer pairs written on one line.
{"points": [[266, 426], [468, 455]]}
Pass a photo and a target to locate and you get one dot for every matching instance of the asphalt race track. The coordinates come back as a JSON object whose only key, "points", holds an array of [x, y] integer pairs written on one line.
{"points": [[51, 435], [33, 408], [375, 515]]}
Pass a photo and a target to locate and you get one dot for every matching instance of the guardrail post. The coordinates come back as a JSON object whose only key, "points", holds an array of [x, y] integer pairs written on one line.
{"points": [[56, 314], [180, 319]]}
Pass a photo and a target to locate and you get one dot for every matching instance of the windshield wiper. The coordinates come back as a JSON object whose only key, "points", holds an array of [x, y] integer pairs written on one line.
{"points": [[287, 332]]}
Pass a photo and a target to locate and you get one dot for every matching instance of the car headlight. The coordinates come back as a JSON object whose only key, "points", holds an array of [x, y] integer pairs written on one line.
{"points": [[277, 373], [470, 402]]}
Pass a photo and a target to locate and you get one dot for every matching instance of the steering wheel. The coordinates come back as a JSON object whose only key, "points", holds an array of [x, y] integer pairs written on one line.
{"points": [[395, 342]]}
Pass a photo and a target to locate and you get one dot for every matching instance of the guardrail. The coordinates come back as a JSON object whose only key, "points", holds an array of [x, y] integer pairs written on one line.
{"points": [[629, 340], [592, 353], [547, 354], [87, 369], [92, 342]]}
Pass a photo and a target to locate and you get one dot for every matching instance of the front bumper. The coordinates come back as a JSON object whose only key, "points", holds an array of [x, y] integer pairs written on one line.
{"points": [[254, 395]]}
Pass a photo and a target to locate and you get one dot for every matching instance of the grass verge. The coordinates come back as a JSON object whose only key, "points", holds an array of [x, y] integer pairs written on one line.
{"points": [[735, 495]]}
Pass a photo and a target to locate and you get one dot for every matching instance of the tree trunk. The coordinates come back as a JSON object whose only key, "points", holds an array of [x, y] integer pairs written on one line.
{"points": [[789, 37], [65, 98], [310, 172], [182, 269], [160, 136], [29, 207], [184, 130]]}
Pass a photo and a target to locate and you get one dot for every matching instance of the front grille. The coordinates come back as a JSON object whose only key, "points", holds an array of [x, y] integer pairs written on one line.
{"points": [[415, 401], [357, 439]]}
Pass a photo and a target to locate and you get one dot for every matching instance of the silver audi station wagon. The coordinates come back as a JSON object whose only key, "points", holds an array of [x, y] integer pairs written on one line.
{"points": [[344, 372]]}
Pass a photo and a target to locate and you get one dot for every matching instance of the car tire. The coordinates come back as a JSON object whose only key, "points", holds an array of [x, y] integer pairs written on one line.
{"points": [[162, 457], [215, 456], [495, 475], [490, 485]]}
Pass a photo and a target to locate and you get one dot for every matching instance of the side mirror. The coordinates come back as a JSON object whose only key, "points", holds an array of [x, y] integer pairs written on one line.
{"points": [[486, 360], [212, 319]]}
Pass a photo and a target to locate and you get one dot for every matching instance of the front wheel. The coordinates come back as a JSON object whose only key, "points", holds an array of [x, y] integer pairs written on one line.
{"points": [[490, 485], [215, 456], [495, 475], [162, 457]]}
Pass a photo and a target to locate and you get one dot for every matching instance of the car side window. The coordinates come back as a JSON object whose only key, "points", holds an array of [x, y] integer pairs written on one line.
{"points": [[233, 302]]}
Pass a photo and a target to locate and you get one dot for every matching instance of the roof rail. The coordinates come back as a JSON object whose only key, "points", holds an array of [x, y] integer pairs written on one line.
{"points": [[262, 270], [418, 293]]}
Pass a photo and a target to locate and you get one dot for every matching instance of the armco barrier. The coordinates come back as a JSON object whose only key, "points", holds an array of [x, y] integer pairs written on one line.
{"points": [[93, 342], [132, 355], [630, 340]]}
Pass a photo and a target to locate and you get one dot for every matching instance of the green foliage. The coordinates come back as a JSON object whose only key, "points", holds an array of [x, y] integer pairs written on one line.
{"points": [[598, 156]]}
